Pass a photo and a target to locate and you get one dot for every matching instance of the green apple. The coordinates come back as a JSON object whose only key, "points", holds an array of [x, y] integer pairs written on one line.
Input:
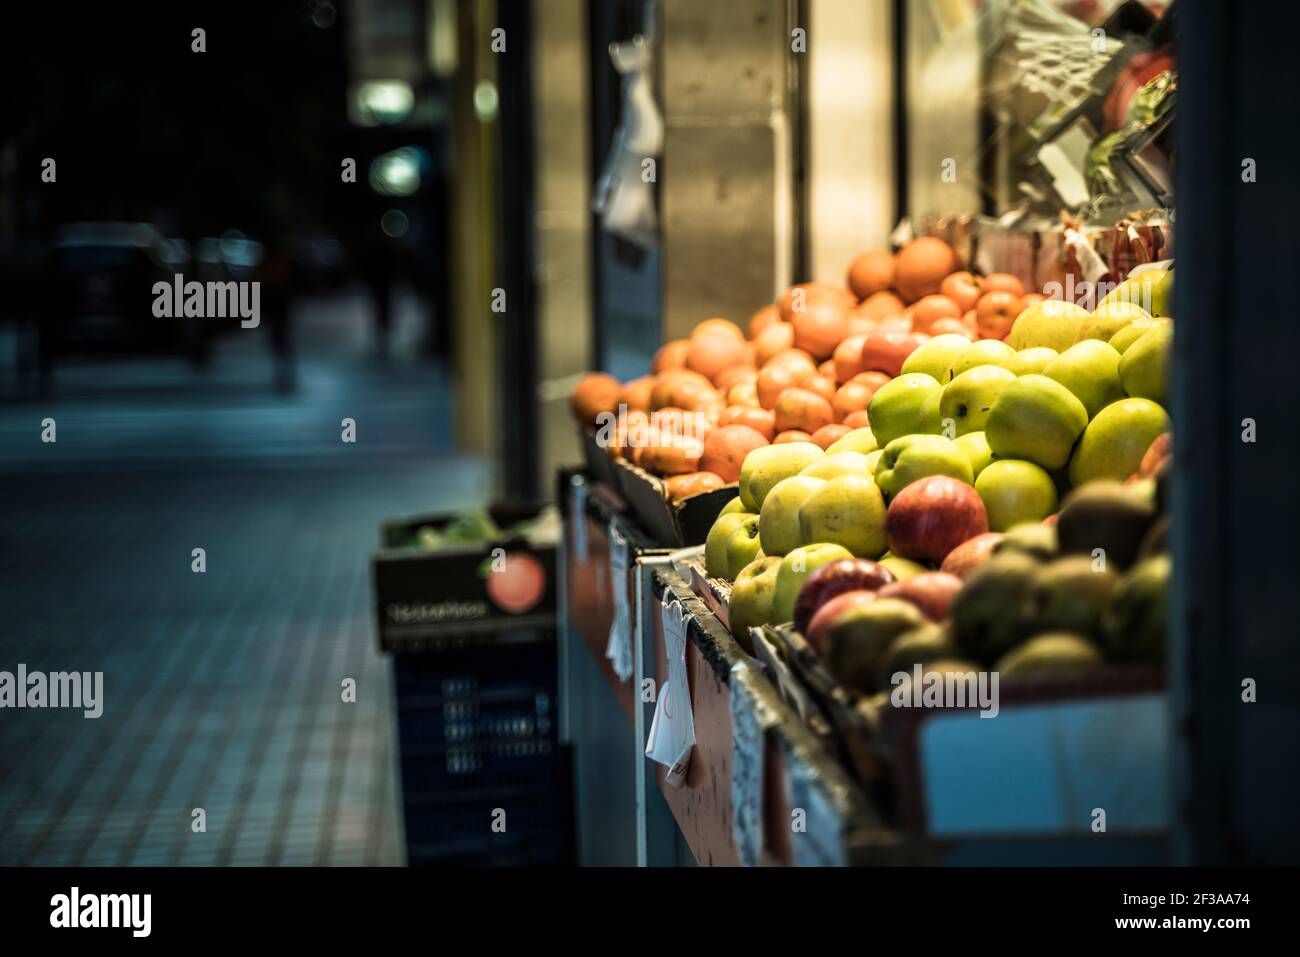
{"points": [[1037, 419], [915, 456], [732, 507], [1110, 319], [794, 571], [848, 511], [902, 568], [935, 358], [1015, 491], [778, 523], [769, 464], [1089, 369], [873, 459], [744, 546], [931, 418], [1053, 323], [839, 463], [895, 409], [1030, 361], [984, 352], [1144, 368], [976, 449], [715, 543], [1152, 290], [968, 398], [1115, 441], [859, 440], [750, 604], [1134, 331]]}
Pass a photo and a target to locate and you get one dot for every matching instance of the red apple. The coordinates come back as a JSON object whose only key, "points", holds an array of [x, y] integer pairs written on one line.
{"points": [[931, 592], [962, 289], [835, 578], [996, 313], [830, 613], [970, 554], [883, 350], [932, 516]]}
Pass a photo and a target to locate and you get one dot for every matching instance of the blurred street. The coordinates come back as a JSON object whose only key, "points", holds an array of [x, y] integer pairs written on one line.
{"points": [[222, 690]]}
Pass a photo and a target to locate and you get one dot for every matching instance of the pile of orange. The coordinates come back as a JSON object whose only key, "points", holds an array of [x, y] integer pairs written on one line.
{"points": [[803, 370]]}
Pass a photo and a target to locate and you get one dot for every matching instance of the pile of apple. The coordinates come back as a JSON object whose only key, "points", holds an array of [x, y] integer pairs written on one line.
{"points": [[805, 373]]}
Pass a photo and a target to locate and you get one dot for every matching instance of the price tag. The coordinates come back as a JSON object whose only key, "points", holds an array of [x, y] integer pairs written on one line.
{"points": [[750, 719], [619, 647], [578, 514], [1090, 261], [817, 841], [672, 730]]}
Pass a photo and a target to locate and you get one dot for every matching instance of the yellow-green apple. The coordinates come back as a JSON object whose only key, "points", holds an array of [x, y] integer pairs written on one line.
{"points": [[1144, 368], [764, 467], [734, 506], [820, 623], [750, 604], [778, 523], [931, 418], [976, 449], [1089, 369], [1015, 491], [744, 547], [1037, 419], [1153, 290], [1052, 653], [970, 554], [849, 574], [968, 398], [715, 543], [931, 517], [936, 357], [914, 457], [795, 568], [895, 409], [902, 568], [848, 511], [1108, 320], [1134, 331], [984, 352], [1030, 361], [930, 592], [839, 463], [857, 641], [859, 440], [1114, 442], [873, 459], [1053, 323]]}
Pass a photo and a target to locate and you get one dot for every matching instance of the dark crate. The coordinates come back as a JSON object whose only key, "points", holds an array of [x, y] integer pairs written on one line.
{"points": [[430, 600]]}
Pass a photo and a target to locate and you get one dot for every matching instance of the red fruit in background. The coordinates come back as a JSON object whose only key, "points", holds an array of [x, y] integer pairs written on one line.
{"points": [[996, 313], [821, 385], [828, 614], [776, 338], [725, 449], [962, 288], [762, 421], [671, 355], [885, 349], [931, 309], [878, 306], [970, 554], [1051, 520], [847, 359], [518, 585], [821, 325], [847, 574], [932, 516], [767, 316], [921, 266], [1029, 298], [1002, 282], [799, 298], [734, 376], [597, 392], [871, 272], [791, 435], [941, 327], [692, 483], [857, 420], [931, 592], [828, 435], [1159, 450], [802, 409]]}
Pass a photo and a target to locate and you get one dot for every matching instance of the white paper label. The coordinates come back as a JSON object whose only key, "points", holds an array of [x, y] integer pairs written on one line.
{"points": [[749, 722], [1090, 261], [619, 647], [672, 730], [818, 843]]}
